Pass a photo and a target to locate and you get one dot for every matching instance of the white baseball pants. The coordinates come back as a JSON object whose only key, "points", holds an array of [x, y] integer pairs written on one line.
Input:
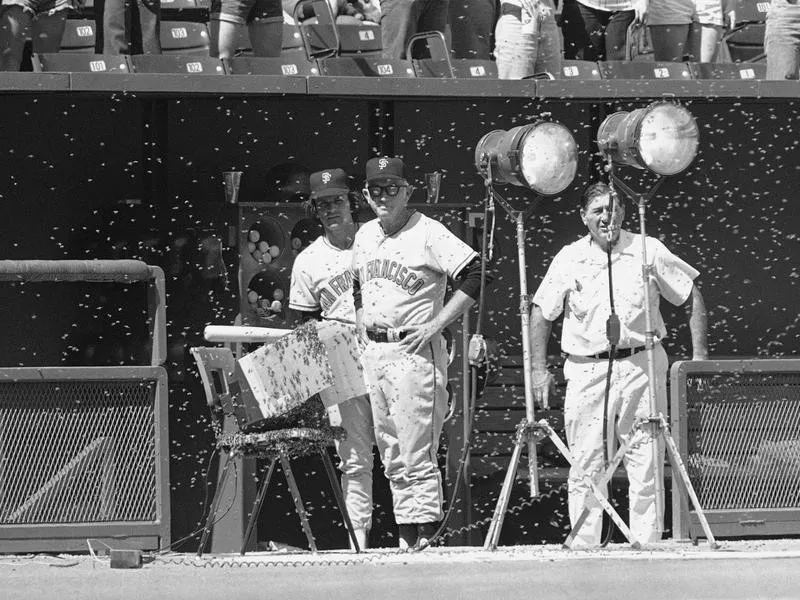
{"points": [[583, 421]]}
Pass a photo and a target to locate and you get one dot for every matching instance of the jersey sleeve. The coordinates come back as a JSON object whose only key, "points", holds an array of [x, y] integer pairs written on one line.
{"points": [[553, 289], [448, 251], [301, 293], [674, 276]]}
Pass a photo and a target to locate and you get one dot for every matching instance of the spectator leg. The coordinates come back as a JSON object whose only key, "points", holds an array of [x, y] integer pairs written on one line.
{"points": [[551, 48], [150, 25], [266, 37], [434, 18], [117, 26], [710, 36], [399, 20], [576, 40], [672, 42], [515, 50], [14, 26], [224, 37], [617, 34], [782, 42], [594, 22], [48, 29], [472, 26]]}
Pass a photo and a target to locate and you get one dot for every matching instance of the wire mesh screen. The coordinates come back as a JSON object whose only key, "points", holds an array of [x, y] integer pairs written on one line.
{"points": [[744, 439], [77, 451]]}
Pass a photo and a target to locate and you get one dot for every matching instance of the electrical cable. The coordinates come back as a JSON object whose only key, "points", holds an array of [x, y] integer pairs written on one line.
{"points": [[470, 410]]}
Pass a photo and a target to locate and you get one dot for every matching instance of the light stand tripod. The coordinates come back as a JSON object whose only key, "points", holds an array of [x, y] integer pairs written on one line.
{"points": [[529, 431], [655, 423]]}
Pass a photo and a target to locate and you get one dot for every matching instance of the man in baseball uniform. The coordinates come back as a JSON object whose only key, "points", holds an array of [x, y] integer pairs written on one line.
{"points": [[401, 263], [577, 284], [321, 287]]}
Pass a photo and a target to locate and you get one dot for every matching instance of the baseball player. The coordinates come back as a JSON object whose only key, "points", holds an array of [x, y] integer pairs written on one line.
{"points": [[401, 263], [577, 284], [321, 287]]}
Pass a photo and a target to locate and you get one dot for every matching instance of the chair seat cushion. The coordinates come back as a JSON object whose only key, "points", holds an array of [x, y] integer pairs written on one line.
{"points": [[294, 442]]}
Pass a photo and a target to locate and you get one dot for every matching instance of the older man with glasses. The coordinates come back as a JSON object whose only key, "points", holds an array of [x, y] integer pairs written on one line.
{"points": [[401, 263]]}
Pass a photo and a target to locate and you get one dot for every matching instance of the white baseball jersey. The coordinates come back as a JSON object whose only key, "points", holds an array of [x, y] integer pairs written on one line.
{"points": [[577, 283], [403, 276], [322, 280]]}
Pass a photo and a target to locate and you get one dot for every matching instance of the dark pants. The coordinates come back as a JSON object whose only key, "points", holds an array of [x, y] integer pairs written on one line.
{"points": [[591, 34], [128, 26], [472, 27]]}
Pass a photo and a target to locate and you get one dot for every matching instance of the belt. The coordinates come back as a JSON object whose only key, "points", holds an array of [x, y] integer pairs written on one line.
{"points": [[381, 335], [618, 353], [511, 9]]}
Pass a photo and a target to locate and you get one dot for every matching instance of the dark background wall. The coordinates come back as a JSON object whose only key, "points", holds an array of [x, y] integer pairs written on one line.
{"points": [[118, 176]]}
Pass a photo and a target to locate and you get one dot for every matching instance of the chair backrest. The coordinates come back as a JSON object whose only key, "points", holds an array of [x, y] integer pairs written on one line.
{"points": [[579, 69], [743, 71], [224, 386], [177, 63], [289, 65], [79, 36], [644, 70], [80, 62], [366, 66], [184, 37]]}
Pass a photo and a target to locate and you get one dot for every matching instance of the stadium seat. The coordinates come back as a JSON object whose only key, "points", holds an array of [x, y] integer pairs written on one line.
{"points": [[177, 63], [579, 69], [79, 36], [361, 38], [80, 62], [292, 42], [746, 39], [644, 70], [365, 66], [184, 38], [743, 71], [295, 65], [474, 68]]}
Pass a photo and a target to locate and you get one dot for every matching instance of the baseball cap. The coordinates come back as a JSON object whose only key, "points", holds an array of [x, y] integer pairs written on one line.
{"points": [[330, 182], [385, 168]]}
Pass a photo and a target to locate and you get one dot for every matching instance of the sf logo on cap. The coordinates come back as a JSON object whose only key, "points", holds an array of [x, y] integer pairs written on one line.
{"points": [[383, 163], [326, 177]]}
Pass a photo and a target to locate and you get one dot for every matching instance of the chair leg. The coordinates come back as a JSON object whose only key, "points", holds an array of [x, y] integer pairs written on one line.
{"points": [[262, 492], [212, 511], [337, 493], [298, 502]]}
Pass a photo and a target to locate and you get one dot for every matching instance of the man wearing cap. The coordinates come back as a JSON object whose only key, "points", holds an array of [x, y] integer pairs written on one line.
{"points": [[321, 287], [608, 387], [401, 263]]}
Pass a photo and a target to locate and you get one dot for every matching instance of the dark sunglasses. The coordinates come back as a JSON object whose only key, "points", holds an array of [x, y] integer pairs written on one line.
{"points": [[391, 190]]}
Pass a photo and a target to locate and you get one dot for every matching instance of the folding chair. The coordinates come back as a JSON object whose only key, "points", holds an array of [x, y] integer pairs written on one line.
{"points": [[746, 39], [438, 63], [227, 393], [79, 62], [79, 36]]}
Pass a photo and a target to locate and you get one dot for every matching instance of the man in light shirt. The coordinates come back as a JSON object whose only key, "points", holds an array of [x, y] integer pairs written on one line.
{"points": [[577, 285]]}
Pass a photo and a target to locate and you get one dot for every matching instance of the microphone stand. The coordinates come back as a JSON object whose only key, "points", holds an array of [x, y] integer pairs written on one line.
{"points": [[655, 423], [529, 431]]}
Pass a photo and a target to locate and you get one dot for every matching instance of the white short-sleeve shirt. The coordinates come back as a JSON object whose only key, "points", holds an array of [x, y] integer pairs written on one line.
{"points": [[403, 276], [577, 285]]}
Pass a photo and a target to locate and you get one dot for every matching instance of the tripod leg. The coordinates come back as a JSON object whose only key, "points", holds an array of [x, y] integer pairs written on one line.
{"points": [[257, 506], [678, 465], [595, 489], [493, 534], [337, 493], [298, 502], [212, 511]]}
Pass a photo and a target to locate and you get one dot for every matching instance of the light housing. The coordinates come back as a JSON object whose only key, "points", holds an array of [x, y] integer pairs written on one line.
{"points": [[662, 138], [541, 156]]}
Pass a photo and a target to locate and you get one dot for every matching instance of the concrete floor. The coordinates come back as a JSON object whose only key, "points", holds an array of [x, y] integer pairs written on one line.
{"points": [[738, 570]]}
